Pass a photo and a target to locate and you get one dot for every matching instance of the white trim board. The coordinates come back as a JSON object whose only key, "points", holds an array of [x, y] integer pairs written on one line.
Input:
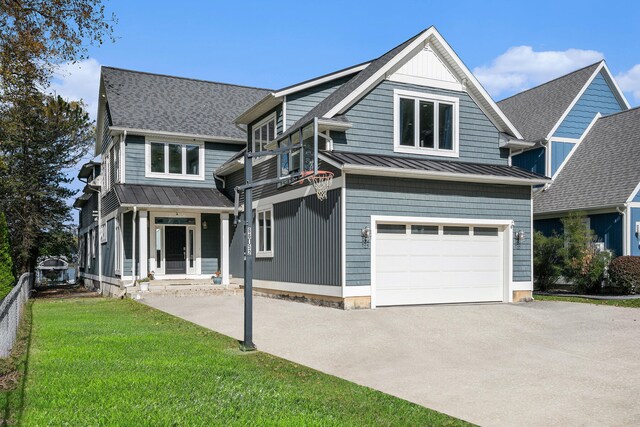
{"points": [[158, 134]]}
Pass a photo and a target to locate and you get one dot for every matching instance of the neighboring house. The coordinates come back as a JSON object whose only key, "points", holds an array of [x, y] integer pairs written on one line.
{"points": [[588, 141], [153, 204], [425, 206]]}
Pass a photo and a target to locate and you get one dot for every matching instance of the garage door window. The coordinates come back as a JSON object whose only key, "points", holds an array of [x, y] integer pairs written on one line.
{"points": [[455, 231], [485, 231], [392, 229], [424, 229]]}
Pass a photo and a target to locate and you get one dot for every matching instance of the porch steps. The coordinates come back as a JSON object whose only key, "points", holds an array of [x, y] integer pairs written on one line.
{"points": [[178, 288]]}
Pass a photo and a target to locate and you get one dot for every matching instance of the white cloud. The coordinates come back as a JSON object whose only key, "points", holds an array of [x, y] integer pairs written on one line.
{"points": [[521, 67], [629, 81], [79, 81]]}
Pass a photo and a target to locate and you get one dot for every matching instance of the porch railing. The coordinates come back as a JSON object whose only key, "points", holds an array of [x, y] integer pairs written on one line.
{"points": [[11, 309]]}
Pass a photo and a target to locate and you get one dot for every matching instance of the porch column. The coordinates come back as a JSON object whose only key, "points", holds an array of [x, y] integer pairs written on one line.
{"points": [[144, 252], [224, 248]]}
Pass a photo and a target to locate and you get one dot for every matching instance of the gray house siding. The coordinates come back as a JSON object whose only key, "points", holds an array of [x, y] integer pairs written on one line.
{"points": [[210, 244], [110, 202], [106, 135], [215, 155], [86, 213], [372, 131], [127, 243], [300, 103], [306, 243], [368, 195], [108, 257]]}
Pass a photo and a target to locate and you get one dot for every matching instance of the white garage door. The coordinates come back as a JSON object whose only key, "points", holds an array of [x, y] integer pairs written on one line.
{"points": [[436, 263]]}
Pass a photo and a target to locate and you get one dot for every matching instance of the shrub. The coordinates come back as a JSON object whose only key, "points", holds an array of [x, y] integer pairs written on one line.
{"points": [[584, 265], [624, 275], [547, 262], [7, 278]]}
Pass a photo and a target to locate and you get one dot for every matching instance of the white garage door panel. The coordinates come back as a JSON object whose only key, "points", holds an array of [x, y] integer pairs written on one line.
{"points": [[431, 269]]}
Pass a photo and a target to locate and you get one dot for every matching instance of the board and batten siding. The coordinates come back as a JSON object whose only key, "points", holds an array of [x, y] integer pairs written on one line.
{"points": [[597, 98], [306, 245], [216, 154], [368, 195], [372, 130], [108, 255], [210, 244], [300, 103], [531, 160]]}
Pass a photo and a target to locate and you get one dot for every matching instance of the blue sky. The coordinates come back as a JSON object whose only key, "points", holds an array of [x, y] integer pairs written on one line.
{"points": [[271, 44]]}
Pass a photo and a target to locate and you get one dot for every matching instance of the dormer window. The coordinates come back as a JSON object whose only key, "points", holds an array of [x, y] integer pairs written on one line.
{"points": [[425, 124]]}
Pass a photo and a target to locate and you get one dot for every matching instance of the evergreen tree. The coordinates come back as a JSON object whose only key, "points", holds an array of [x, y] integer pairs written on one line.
{"points": [[7, 278]]}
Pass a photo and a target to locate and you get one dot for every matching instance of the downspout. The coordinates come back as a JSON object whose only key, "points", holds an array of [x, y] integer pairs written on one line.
{"points": [[133, 249]]}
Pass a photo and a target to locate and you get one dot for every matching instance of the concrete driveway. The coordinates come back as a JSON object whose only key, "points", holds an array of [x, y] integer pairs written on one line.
{"points": [[541, 363]]}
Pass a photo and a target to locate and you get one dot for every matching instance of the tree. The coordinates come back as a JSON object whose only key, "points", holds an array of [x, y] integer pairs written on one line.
{"points": [[547, 261], [7, 278], [41, 136], [584, 265], [37, 35]]}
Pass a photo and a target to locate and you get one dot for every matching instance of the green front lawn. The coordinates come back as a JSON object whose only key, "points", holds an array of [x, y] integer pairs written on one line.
{"points": [[618, 303], [113, 362]]}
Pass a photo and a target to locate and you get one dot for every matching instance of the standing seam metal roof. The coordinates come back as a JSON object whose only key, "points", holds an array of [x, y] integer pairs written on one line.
{"points": [[447, 166]]}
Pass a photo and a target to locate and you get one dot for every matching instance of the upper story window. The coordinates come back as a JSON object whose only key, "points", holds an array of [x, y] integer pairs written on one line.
{"points": [[425, 124], [264, 132], [175, 160]]}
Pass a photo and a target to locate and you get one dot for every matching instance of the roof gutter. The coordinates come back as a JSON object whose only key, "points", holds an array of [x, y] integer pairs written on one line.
{"points": [[176, 207], [149, 132], [442, 176]]}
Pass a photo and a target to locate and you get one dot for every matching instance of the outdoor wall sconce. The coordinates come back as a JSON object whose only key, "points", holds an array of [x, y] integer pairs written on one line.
{"points": [[366, 234], [204, 225], [519, 236]]}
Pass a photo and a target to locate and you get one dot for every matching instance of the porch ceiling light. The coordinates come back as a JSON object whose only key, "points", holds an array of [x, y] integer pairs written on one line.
{"points": [[204, 225]]}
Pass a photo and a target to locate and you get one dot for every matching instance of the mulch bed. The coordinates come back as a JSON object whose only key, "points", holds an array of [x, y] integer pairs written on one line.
{"points": [[65, 291]]}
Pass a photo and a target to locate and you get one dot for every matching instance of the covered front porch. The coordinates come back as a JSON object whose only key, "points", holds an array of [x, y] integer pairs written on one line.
{"points": [[174, 235]]}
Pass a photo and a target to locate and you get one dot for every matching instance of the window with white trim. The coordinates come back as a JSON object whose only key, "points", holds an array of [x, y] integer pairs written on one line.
{"points": [[184, 160], [264, 132], [425, 124], [117, 245], [264, 233]]}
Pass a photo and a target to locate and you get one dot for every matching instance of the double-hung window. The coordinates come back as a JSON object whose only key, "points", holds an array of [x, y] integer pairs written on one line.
{"points": [[264, 233], [425, 124], [175, 160], [264, 132]]}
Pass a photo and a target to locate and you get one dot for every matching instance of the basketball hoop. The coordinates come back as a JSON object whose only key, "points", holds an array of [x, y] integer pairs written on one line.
{"points": [[321, 182]]}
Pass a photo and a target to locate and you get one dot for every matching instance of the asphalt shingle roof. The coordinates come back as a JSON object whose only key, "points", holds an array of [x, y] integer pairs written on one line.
{"points": [[136, 194], [412, 163], [535, 111], [603, 171], [139, 100]]}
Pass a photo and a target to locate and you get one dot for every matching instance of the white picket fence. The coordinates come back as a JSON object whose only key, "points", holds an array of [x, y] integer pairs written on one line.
{"points": [[11, 311]]}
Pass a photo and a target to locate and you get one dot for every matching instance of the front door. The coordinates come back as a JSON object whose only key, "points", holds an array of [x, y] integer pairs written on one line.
{"points": [[176, 250]]}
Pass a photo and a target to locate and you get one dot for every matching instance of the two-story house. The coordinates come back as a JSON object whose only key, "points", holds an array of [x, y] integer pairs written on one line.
{"points": [[424, 207], [153, 205], [588, 141]]}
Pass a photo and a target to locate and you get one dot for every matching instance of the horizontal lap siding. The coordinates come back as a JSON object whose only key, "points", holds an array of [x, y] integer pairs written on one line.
{"points": [[372, 130], [86, 213], [598, 98], [306, 243], [110, 202], [367, 196], [215, 155], [300, 103]]}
